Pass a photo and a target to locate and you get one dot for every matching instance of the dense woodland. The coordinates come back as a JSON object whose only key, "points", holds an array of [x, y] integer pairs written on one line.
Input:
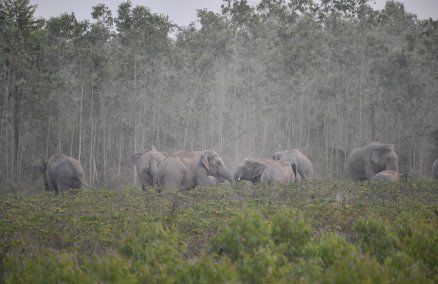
{"points": [[321, 76]]}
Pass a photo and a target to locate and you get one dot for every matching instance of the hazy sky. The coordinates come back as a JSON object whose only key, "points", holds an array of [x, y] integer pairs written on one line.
{"points": [[182, 12]]}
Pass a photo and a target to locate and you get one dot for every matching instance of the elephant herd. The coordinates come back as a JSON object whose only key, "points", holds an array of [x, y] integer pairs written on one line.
{"points": [[372, 161]]}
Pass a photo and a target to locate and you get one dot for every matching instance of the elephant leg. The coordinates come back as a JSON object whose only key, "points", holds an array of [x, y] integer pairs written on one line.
{"points": [[50, 185], [302, 174]]}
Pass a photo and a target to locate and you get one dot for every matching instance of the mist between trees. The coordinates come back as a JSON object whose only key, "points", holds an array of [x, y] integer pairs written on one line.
{"points": [[322, 77]]}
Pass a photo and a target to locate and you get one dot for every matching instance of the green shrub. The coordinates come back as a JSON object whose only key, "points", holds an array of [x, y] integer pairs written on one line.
{"points": [[155, 252], [208, 270], [290, 231], [374, 238], [355, 268], [244, 235], [109, 269], [404, 269], [47, 267], [419, 239], [328, 249], [263, 266]]}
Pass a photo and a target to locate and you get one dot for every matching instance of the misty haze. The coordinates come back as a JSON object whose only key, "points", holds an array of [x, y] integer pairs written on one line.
{"points": [[300, 126]]}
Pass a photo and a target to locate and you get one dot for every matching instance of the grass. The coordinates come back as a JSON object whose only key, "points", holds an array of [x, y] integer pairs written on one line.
{"points": [[318, 232]]}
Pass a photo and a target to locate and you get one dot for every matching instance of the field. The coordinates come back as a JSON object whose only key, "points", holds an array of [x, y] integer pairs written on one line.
{"points": [[318, 232]]}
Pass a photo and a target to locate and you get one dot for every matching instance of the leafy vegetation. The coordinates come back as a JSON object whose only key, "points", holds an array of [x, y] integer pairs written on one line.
{"points": [[317, 232]]}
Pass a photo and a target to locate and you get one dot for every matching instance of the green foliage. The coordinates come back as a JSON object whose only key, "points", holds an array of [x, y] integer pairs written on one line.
{"points": [[208, 270], [329, 249], [244, 235], [154, 252], [316, 232], [374, 238], [355, 268], [290, 231], [46, 267]]}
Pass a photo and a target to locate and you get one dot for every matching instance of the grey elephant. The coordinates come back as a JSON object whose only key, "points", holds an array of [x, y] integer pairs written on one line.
{"points": [[304, 165], [387, 175], [190, 169], [146, 164], [435, 169], [364, 162], [61, 173], [266, 171]]}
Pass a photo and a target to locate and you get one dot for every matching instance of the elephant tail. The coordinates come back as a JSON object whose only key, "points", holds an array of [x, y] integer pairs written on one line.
{"points": [[154, 173]]}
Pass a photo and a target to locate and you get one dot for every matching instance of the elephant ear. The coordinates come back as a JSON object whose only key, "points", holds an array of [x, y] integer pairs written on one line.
{"points": [[377, 155], [41, 166], [258, 169], [204, 161], [277, 156], [135, 156]]}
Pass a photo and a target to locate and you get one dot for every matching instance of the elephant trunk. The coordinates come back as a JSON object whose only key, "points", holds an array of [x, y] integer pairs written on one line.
{"points": [[392, 164], [223, 172], [237, 176]]}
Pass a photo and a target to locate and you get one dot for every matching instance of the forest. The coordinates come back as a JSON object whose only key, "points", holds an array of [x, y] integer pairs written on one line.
{"points": [[321, 76]]}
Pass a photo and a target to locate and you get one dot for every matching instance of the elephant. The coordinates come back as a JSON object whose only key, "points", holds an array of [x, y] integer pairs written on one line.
{"points": [[217, 181], [435, 169], [267, 171], [146, 164], [387, 175], [364, 162], [294, 156], [61, 173], [190, 169]]}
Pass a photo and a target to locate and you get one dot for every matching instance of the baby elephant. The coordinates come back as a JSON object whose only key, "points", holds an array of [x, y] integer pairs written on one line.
{"points": [[61, 173], [387, 175], [267, 171]]}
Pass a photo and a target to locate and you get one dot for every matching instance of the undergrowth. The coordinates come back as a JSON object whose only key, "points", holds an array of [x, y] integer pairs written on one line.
{"points": [[317, 232]]}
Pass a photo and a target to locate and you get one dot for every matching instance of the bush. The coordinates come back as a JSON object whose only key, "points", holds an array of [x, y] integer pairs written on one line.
{"points": [[419, 240], [329, 249], [46, 267], [244, 235], [290, 231], [374, 238], [263, 266], [208, 270], [154, 251], [355, 268]]}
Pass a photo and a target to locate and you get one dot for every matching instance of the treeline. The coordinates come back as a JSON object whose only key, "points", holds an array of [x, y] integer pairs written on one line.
{"points": [[321, 76]]}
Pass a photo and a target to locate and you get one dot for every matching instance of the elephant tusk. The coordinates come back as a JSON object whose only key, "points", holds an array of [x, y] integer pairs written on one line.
{"points": [[238, 179]]}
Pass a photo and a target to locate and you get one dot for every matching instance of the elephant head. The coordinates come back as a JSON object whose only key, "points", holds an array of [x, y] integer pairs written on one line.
{"points": [[384, 158], [189, 169], [250, 170], [365, 161], [41, 168], [277, 155], [215, 166]]}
